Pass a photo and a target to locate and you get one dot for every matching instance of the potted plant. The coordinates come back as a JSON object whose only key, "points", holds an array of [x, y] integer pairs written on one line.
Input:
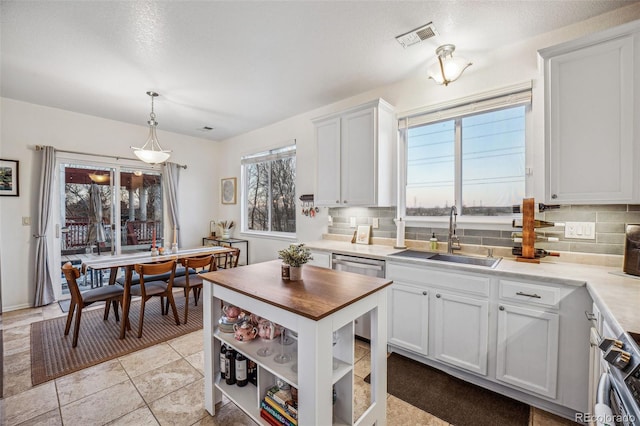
{"points": [[226, 226], [295, 256]]}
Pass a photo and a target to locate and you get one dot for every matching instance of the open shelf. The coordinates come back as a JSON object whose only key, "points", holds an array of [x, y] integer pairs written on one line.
{"points": [[245, 397], [250, 350], [341, 371]]}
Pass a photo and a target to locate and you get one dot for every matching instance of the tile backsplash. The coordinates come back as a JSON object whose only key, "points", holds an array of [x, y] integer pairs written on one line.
{"points": [[610, 220]]}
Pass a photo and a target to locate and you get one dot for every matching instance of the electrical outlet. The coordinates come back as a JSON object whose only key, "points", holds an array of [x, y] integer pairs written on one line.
{"points": [[352, 222], [26, 221], [330, 220], [580, 230], [375, 223]]}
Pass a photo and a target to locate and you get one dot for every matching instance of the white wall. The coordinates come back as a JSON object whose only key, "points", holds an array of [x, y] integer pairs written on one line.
{"points": [[25, 125]]}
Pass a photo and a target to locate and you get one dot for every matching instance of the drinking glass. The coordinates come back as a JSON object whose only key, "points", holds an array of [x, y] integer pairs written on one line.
{"points": [[282, 357]]}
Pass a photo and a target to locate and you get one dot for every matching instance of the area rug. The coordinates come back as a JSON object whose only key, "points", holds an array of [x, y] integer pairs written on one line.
{"points": [[52, 355], [449, 398]]}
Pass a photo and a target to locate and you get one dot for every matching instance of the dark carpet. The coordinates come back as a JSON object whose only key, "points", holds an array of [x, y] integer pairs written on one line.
{"points": [[52, 355], [449, 398]]}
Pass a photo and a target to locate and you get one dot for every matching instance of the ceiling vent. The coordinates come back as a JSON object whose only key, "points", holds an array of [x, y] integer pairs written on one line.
{"points": [[417, 35]]}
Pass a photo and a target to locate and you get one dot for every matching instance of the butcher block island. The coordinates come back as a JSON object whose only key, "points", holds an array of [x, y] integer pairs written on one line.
{"points": [[317, 314]]}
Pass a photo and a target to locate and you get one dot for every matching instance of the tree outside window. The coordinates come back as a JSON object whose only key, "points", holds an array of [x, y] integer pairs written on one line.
{"points": [[269, 191]]}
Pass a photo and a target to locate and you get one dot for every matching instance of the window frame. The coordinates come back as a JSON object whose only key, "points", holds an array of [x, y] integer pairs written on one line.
{"points": [[507, 97], [285, 151]]}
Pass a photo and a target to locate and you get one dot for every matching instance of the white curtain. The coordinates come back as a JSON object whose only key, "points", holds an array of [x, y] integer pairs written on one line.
{"points": [[170, 180], [44, 282]]}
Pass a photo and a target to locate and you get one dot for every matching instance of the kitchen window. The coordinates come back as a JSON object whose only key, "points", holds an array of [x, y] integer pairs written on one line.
{"points": [[268, 192], [471, 156]]}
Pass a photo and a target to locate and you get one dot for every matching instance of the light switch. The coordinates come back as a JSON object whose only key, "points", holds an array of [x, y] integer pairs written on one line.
{"points": [[330, 220], [352, 222], [375, 223]]}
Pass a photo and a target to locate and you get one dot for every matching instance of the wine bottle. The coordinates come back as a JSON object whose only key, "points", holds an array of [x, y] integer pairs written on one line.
{"points": [[517, 238], [252, 372], [517, 251], [241, 370], [230, 367], [223, 361], [541, 207], [518, 223]]}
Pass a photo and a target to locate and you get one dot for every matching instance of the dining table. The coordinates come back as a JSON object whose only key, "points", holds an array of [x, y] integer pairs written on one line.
{"points": [[93, 262]]}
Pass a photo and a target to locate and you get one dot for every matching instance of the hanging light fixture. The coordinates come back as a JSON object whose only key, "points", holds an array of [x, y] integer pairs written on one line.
{"points": [[447, 68], [151, 152]]}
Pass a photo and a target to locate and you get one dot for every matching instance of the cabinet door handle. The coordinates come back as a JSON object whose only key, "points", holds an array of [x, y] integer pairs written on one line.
{"points": [[424, 293], [535, 296], [501, 308], [591, 316], [345, 201], [438, 295], [337, 201], [554, 196]]}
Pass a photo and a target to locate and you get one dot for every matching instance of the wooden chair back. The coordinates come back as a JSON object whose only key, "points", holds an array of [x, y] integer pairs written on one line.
{"points": [[199, 262], [234, 257], [71, 274], [156, 268]]}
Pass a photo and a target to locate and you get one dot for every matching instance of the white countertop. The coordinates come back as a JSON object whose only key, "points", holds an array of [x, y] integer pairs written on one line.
{"points": [[618, 297]]}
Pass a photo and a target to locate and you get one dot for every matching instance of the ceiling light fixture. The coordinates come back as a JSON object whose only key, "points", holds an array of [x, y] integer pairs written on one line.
{"points": [[447, 68], [151, 152]]}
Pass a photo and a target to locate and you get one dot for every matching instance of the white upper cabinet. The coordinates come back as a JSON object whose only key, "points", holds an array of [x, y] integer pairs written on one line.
{"points": [[356, 156], [591, 132]]}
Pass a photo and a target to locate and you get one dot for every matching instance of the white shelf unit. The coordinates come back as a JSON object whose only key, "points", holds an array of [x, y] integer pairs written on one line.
{"points": [[315, 378]]}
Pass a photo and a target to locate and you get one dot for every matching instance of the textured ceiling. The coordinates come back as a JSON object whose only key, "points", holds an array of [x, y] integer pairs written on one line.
{"points": [[240, 65]]}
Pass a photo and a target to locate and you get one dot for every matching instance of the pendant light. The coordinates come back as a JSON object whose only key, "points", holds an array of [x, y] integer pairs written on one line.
{"points": [[447, 68], [151, 152]]}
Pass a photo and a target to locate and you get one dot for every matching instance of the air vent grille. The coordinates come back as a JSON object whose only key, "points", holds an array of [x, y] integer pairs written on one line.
{"points": [[417, 35]]}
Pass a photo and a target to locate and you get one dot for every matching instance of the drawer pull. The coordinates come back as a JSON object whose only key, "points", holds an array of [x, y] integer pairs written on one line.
{"points": [[535, 296], [501, 308], [438, 295], [424, 293], [591, 316]]}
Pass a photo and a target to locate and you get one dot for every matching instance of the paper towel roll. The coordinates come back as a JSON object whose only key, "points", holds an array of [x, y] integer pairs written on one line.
{"points": [[399, 233]]}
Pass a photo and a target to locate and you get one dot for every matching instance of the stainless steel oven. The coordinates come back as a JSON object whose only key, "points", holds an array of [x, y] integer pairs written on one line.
{"points": [[362, 266], [618, 395]]}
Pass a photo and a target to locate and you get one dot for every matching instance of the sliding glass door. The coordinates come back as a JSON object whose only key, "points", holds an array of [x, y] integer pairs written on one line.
{"points": [[106, 209]]}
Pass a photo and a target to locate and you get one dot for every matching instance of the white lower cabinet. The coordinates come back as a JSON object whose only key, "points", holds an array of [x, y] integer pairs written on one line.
{"points": [[408, 317], [527, 355], [461, 331], [320, 259]]}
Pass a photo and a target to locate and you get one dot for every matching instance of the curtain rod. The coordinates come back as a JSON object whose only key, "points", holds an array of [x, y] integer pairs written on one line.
{"points": [[41, 147]]}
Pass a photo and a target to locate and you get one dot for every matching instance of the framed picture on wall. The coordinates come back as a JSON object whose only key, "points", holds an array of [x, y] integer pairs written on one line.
{"points": [[228, 190], [9, 178]]}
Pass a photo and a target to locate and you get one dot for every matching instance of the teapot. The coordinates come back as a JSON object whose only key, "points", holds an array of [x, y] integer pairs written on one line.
{"points": [[268, 330], [231, 312], [244, 332]]}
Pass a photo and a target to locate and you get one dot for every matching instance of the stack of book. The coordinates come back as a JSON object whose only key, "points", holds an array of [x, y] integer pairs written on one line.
{"points": [[278, 407]]}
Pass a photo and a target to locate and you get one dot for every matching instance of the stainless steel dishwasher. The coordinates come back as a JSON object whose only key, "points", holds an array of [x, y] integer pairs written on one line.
{"points": [[362, 266]]}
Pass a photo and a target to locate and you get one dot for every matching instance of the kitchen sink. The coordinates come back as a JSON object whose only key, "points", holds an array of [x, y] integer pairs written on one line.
{"points": [[489, 262]]}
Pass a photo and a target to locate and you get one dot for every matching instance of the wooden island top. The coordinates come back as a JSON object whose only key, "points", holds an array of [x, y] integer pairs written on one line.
{"points": [[318, 294]]}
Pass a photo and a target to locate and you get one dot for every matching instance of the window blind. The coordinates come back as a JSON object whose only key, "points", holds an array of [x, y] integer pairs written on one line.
{"points": [[502, 98], [271, 155]]}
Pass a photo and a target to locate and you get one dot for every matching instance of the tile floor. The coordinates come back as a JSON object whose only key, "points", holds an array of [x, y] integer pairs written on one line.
{"points": [[162, 384]]}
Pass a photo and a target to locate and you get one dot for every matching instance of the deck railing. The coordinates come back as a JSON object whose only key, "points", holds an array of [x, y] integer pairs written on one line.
{"points": [[134, 232]]}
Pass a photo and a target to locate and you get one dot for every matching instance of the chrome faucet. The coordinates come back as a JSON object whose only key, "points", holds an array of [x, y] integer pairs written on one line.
{"points": [[453, 243]]}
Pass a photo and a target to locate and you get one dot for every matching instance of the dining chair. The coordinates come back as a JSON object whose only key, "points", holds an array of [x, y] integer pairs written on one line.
{"points": [[149, 288], [229, 259], [193, 280], [110, 294]]}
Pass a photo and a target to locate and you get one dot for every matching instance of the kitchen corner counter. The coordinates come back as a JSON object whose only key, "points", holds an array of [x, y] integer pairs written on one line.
{"points": [[617, 296]]}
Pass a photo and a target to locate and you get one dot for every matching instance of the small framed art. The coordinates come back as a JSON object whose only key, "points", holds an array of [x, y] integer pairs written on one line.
{"points": [[9, 178], [228, 190], [363, 234]]}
